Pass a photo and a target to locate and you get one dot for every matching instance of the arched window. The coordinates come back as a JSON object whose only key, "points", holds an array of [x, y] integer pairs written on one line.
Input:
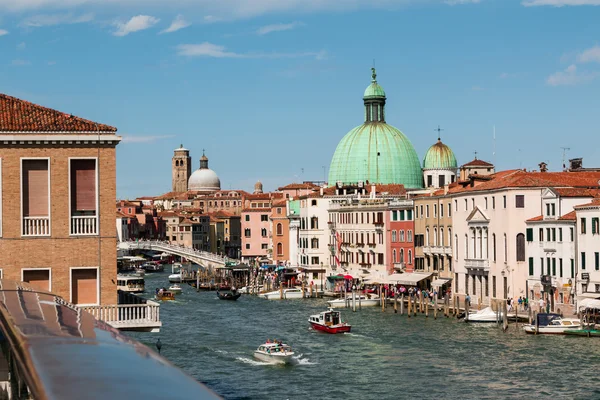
{"points": [[177, 163], [394, 256], [279, 249], [401, 255], [314, 243], [263, 232], [402, 235], [520, 247], [314, 222], [409, 260], [279, 229], [427, 236], [441, 236], [394, 238], [435, 237]]}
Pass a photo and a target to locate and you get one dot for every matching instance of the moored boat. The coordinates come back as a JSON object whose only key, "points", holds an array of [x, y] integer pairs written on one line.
{"points": [[232, 295], [292, 293], [329, 321], [130, 283], [365, 301], [276, 353], [552, 324], [175, 289], [486, 315]]}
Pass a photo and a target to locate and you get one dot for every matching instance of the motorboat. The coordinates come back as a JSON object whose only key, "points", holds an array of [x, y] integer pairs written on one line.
{"points": [[140, 272], [164, 295], [175, 288], [248, 289], [329, 321], [485, 315], [230, 295], [153, 266], [276, 353], [176, 277], [130, 283], [549, 323], [364, 301], [292, 293]]}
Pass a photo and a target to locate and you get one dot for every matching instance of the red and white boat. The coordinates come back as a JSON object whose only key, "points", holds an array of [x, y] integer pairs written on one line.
{"points": [[329, 321]]}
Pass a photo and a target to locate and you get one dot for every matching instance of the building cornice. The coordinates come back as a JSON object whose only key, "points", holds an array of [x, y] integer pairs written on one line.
{"points": [[92, 138]]}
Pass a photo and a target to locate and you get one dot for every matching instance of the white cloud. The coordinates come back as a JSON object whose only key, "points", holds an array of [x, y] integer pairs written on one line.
{"points": [[278, 28], [21, 46], [207, 49], [590, 55], [178, 23], [560, 3], [135, 24], [3, 32], [37, 21], [144, 139], [570, 76], [20, 63]]}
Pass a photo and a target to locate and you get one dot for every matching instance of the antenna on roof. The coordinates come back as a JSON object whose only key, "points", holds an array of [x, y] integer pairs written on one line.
{"points": [[565, 149], [494, 151]]}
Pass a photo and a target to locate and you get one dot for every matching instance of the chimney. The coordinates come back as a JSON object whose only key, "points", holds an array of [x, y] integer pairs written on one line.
{"points": [[575, 164], [373, 191], [321, 191]]}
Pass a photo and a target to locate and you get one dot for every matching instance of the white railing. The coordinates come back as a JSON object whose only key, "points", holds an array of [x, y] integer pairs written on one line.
{"points": [[127, 315], [428, 249], [36, 226], [482, 264], [84, 225], [447, 250], [179, 250]]}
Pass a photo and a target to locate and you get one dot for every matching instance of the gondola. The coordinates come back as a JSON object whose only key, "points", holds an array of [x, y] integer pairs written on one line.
{"points": [[228, 295]]}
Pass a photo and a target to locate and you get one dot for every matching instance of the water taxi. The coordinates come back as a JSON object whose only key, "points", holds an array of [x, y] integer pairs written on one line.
{"points": [[175, 288], [276, 353], [292, 293], [164, 295], [369, 301], [552, 324], [130, 283], [329, 321]]}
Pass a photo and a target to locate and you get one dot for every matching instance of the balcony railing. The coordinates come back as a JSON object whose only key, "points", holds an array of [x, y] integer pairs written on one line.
{"points": [[84, 225], [479, 264], [128, 316], [36, 226], [428, 250]]}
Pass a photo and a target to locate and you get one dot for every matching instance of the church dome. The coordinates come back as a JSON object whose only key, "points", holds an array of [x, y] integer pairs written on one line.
{"points": [[375, 151], [439, 156], [258, 187], [204, 178]]}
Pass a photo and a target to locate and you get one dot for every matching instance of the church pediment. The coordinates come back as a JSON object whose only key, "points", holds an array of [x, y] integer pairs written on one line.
{"points": [[548, 193], [477, 215]]}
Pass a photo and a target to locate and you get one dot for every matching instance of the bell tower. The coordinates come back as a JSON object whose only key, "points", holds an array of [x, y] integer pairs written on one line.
{"points": [[181, 168]]}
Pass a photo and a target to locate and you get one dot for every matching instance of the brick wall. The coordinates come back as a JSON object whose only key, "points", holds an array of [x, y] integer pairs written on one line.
{"points": [[60, 252]]}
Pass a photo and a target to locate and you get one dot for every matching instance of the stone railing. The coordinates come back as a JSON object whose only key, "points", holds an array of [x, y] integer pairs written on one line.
{"points": [[480, 264], [128, 316], [84, 225]]}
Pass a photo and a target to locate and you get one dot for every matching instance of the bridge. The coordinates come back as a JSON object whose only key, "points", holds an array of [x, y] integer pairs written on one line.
{"points": [[203, 258]]}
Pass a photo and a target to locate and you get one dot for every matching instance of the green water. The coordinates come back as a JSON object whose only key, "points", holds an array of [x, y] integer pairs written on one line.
{"points": [[387, 356]]}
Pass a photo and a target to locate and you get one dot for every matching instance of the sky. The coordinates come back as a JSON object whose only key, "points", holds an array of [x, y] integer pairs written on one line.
{"points": [[269, 87]]}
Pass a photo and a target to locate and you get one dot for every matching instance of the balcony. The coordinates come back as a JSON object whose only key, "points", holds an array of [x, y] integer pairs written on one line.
{"points": [[84, 225], [135, 317], [371, 244], [477, 264], [36, 226], [549, 247], [331, 224], [378, 223], [428, 250]]}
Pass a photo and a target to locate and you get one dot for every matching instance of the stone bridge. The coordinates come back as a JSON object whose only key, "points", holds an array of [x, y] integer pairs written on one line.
{"points": [[203, 258]]}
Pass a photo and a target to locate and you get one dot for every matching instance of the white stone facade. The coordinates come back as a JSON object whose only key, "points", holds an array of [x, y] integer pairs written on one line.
{"points": [[588, 250]]}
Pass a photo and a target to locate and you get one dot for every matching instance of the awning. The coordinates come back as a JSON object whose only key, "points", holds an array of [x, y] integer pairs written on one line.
{"points": [[589, 303], [408, 279], [439, 282], [589, 295], [312, 269]]}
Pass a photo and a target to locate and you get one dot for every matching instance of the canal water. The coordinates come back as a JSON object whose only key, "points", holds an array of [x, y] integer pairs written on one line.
{"points": [[387, 356]]}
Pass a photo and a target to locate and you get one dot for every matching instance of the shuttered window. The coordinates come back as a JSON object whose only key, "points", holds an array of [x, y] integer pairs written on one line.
{"points": [[530, 266], [530, 234], [37, 278], [83, 185], [35, 188], [84, 286]]}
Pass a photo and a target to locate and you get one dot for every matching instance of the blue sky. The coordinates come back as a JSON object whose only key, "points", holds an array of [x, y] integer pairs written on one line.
{"points": [[269, 87]]}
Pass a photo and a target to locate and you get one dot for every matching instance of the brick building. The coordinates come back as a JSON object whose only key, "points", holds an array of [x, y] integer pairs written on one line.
{"points": [[58, 190]]}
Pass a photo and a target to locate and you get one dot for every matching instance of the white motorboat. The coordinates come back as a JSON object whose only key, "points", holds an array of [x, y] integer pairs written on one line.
{"points": [[276, 353], [365, 301], [292, 293], [175, 276], [248, 289], [552, 324], [175, 289], [486, 315], [140, 272]]}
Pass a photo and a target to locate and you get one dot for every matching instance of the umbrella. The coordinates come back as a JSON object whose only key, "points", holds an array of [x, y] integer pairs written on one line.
{"points": [[335, 277], [349, 277], [280, 268]]}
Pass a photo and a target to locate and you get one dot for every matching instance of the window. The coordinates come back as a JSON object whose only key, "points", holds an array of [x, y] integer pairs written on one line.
{"points": [[421, 211], [264, 217], [39, 278], [494, 245], [530, 234], [530, 266], [279, 249], [572, 268], [548, 264], [435, 211], [560, 234], [35, 197], [314, 243], [449, 210], [493, 286], [247, 232], [393, 236], [442, 180], [582, 260], [247, 218], [394, 215], [314, 260], [486, 202], [505, 249], [264, 246], [455, 206], [520, 247], [84, 286], [263, 232], [409, 236], [278, 209], [494, 207], [401, 255], [541, 234], [554, 267], [313, 202], [314, 223], [504, 201], [247, 246], [394, 256], [583, 225], [409, 216], [554, 234], [548, 209], [427, 211], [595, 226], [560, 267], [553, 206], [409, 259], [519, 201], [572, 233], [466, 204], [279, 229], [597, 261], [548, 235]]}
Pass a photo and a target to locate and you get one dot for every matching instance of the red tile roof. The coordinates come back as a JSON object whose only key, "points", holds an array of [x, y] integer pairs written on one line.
{"points": [[296, 186], [569, 217], [478, 163], [577, 192], [536, 219], [595, 202], [18, 115]]}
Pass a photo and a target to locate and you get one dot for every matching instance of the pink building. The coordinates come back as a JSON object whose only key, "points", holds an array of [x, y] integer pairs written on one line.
{"points": [[256, 227]]}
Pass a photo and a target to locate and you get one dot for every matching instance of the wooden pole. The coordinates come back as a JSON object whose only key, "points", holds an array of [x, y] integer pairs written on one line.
{"points": [[467, 308], [454, 305], [353, 300], [303, 290], [396, 302], [402, 305], [530, 313], [537, 322], [281, 291], [505, 316], [435, 308], [382, 298], [415, 305], [409, 305], [426, 308]]}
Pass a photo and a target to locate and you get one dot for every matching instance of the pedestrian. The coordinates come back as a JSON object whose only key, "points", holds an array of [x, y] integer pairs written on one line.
{"points": [[468, 300], [526, 303], [520, 301], [541, 305]]}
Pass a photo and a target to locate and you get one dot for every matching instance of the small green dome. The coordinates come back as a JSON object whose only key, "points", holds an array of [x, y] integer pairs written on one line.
{"points": [[439, 156], [374, 89]]}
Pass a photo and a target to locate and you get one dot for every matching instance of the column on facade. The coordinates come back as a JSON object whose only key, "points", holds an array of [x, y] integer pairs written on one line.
{"points": [[474, 244], [480, 232], [485, 254]]}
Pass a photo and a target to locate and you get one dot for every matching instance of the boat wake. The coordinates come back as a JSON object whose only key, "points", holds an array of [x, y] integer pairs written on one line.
{"points": [[251, 362], [358, 335], [303, 361]]}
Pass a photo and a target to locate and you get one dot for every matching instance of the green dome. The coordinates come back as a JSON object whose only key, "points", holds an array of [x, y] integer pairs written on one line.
{"points": [[374, 90], [439, 156]]}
